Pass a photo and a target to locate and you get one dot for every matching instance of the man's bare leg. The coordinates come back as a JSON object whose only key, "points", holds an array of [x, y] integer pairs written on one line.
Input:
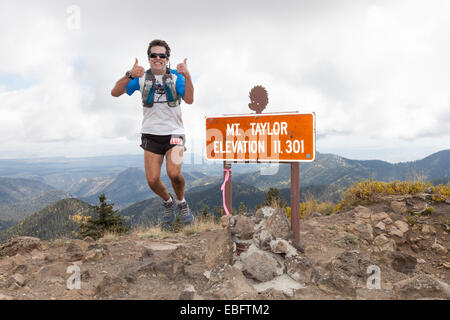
{"points": [[153, 163], [174, 160]]}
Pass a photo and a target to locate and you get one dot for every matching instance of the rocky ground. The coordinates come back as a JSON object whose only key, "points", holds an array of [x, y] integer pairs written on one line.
{"points": [[377, 251]]}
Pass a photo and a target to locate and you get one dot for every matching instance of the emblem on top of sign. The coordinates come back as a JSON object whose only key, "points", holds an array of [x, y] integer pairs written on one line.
{"points": [[286, 137]]}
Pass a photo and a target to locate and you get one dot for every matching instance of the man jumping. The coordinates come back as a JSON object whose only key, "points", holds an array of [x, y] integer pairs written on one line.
{"points": [[162, 126]]}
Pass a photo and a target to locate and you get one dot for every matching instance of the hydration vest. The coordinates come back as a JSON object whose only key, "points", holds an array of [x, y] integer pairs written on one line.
{"points": [[148, 91]]}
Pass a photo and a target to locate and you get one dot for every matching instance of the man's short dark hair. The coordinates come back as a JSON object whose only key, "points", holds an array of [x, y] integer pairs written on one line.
{"points": [[160, 43]]}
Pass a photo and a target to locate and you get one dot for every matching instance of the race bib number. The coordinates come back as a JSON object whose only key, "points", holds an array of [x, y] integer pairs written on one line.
{"points": [[176, 140]]}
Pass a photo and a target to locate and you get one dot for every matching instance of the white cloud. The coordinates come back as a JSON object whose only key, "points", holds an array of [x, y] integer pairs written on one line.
{"points": [[375, 72]]}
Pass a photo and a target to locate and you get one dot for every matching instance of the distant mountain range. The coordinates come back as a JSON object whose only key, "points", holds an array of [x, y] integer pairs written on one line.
{"points": [[324, 179], [18, 189], [332, 170], [131, 186], [60, 219]]}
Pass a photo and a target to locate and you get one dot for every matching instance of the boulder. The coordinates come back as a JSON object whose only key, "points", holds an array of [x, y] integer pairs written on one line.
{"points": [[20, 245], [227, 282], [243, 227], [220, 249], [278, 224], [421, 286], [261, 265]]}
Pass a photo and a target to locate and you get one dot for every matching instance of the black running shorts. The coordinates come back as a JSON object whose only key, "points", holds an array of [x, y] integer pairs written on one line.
{"points": [[161, 144]]}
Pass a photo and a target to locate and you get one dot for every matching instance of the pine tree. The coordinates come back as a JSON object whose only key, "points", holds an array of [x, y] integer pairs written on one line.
{"points": [[242, 208], [107, 221], [204, 213]]}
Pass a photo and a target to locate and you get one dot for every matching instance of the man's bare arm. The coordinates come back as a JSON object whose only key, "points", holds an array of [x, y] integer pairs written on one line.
{"points": [[189, 87], [121, 85]]}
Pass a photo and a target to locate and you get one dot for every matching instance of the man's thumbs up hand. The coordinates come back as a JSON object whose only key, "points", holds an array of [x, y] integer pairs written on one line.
{"points": [[182, 68], [137, 71]]}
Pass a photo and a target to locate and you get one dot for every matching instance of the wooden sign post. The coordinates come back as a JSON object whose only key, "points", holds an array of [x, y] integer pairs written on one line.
{"points": [[282, 137]]}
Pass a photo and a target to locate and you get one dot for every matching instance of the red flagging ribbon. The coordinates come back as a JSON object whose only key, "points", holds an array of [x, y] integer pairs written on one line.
{"points": [[227, 175]]}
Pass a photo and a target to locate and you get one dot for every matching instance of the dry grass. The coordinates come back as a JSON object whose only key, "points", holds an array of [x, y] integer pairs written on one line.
{"points": [[310, 206], [110, 236], [155, 232], [368, 191]]}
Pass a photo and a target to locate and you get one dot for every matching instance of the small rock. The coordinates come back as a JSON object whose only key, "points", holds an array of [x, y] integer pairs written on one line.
{"points": [[243, 228], [428, 230], [261, 265], [19, 279], [439, 249], [379, 216], [89, 239], [380, 226], [281, 246], [363, 230], [384, 243], [399, 207], [421, 261], [362, 212], [402, 226], [316, 214], [394, 231], [188, 293]]}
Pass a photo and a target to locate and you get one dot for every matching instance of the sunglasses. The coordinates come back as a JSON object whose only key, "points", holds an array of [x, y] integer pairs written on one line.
{"points": [[161, 55]]}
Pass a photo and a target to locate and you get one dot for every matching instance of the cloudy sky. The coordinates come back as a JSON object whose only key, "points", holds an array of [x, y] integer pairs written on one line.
{"points": [[377, 73]]}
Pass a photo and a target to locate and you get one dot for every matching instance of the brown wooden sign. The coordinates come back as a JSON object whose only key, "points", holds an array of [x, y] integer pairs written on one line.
{"points": [[288, 137]]}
